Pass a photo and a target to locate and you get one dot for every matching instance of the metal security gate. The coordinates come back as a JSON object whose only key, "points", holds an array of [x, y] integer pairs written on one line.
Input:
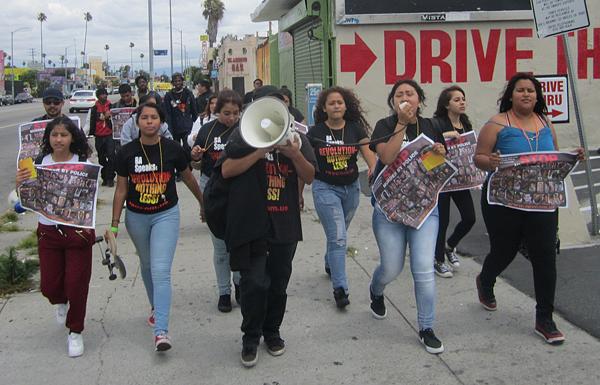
{"points": [[308, 61]]}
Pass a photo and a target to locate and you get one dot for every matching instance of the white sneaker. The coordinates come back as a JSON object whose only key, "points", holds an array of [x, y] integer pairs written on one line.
{"points": [[61, 313], [75, 342]]}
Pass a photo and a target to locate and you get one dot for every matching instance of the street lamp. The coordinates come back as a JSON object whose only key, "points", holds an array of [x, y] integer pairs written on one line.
{"points": [[65, 69], [171, 35], [181, 43], [12, 60], [142, 60]]}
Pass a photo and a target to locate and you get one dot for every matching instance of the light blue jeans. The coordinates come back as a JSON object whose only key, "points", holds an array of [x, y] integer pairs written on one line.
{"points": [[221, 257], [155, 238], [392, 239], [335, 206]]}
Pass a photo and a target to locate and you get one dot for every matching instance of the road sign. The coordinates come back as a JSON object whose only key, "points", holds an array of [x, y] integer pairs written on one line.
{"points": [[312, 94], [556, 94], [555, 17], [160, 52]]}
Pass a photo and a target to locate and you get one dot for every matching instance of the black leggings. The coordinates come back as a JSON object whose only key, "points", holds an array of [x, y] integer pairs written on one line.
{"points": [[464, 203], [506, 227]]}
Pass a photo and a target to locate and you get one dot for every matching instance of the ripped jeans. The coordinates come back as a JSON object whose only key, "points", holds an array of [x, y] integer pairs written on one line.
{"points": [[335, 206]]}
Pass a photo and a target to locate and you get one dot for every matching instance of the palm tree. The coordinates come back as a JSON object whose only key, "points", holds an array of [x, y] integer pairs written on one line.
{"points": [[213, 13], [42, 17], [87, 17]]}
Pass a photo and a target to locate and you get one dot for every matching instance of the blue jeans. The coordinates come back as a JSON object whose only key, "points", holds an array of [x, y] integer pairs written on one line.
{"points": [[155, 238], [221, 257], [391, 240], [335, 206]]}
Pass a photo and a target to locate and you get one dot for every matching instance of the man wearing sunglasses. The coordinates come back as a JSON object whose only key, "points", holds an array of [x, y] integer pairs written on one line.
{"points": [[53, 101]]}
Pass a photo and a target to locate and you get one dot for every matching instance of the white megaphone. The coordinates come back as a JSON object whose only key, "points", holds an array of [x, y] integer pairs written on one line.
{"points": [[267, 122]]}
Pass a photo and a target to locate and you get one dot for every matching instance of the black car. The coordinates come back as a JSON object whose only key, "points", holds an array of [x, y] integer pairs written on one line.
{"points": [[24, 97], [6, 100]]}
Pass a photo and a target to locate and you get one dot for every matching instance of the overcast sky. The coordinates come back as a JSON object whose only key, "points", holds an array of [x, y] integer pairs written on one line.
{"points": [[117, 23]]}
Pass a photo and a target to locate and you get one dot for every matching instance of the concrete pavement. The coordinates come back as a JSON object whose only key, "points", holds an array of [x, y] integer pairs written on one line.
{"points": [[324, 345]]}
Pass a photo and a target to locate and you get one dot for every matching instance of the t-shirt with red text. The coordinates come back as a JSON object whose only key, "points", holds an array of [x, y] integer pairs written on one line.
{"points": [[151, 182], [337, 162], [212, 137]]}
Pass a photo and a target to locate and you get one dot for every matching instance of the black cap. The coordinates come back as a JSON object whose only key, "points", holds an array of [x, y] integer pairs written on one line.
{"points": [[53, 93], [267, 91]]}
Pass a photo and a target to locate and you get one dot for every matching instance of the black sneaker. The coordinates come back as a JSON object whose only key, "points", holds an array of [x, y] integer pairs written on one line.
{"points": [[548, 331], [249, 356], [486, 296], [276, 346], [104, 183], [431, 342], [111, 183], [237, 293], [224, 303], [341, 298], [452, 258], [378, 308]]}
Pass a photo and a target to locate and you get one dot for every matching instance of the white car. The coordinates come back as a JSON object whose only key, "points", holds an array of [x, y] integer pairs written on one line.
{"points": [[82, 100]]}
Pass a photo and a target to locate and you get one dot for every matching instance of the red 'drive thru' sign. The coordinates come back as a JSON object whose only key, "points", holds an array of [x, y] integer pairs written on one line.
{"points": [[556, 94]]}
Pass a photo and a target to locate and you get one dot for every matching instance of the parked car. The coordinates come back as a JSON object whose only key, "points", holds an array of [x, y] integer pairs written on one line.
{"points": [[6, 100], [82, 100], [23, 97]]}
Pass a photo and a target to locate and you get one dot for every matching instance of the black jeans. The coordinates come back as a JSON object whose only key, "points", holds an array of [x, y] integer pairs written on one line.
{"points": [[105, 147], [263, 292], [506, 227], [464, 203]]}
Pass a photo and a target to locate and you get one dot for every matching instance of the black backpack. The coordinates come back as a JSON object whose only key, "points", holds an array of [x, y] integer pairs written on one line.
{"points": [[216, 195]]}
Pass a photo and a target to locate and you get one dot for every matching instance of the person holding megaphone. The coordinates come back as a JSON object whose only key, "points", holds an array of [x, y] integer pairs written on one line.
{"points": [[340, 125], [263, 215]]}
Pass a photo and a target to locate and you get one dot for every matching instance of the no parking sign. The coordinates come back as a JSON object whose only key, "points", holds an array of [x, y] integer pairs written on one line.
{"points": [[556, 94]]}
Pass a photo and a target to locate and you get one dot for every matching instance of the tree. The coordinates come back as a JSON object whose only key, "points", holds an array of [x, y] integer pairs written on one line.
{"points": [[30, 77], [61, 72], [87, 17], [42, 17], [213, 13], [42, 85]]}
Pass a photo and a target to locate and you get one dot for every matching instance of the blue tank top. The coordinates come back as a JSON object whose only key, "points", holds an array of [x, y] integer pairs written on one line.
{"points": [[512, 141]]}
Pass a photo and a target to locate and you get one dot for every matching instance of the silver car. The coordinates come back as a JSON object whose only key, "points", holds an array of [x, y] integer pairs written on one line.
{"points": [[82, 100]]}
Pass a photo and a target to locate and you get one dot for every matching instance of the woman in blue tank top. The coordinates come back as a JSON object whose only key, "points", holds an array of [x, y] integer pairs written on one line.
{"points": [[521, 126]]}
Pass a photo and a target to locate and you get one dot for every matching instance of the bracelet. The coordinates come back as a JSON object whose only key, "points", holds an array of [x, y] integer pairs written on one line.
{"points": [[115, 229], [115, 220]]}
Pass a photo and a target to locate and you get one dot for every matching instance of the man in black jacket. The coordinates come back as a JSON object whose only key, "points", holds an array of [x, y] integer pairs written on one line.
{"points": [[181, 111]]}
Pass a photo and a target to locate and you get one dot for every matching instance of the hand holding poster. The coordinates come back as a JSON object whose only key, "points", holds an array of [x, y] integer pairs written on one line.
{"points": [[460, 154], [407, 189], [118, 117], [64, 193], [532, 181]]}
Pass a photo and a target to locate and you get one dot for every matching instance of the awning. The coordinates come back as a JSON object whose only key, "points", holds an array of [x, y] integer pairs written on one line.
{"points": [[270, 10]]}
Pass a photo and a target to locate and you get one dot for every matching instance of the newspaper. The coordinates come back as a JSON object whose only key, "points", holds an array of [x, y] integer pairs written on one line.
{"points": [[118, 118], [460, 154]]}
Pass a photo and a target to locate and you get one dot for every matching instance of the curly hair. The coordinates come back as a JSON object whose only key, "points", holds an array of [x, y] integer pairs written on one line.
{"points": [[443, 102], [79, 143], [354, 111], [505, 101], [413, 84]]}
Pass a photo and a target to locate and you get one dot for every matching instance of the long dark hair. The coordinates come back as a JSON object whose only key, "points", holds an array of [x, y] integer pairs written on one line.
{"points": [[441, 110], [354, 112], [211, 97], [505, 101], [413, 84], [79, 144]]}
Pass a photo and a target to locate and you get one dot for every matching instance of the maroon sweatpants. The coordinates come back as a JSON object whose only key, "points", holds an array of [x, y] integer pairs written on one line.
{"points": [[66, 268]]}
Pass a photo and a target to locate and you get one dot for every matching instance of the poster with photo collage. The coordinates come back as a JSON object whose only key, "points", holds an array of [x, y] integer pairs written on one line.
{"points": [[460, 154], [118, 118]]}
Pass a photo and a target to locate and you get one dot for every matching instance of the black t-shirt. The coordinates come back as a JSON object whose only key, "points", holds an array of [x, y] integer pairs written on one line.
{"points": [[213, 137], [282, 197], [337, 163], [151, 183], [298, 117], [386, 126]]}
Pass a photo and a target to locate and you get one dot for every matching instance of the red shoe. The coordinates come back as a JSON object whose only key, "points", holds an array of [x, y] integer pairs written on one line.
{"points": [[489, 301], [151, 319], [162, 342], [548, 331]]}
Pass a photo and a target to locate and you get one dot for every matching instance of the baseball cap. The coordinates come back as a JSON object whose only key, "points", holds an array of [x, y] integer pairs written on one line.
{"points": [[52, 93], [267, 91]]}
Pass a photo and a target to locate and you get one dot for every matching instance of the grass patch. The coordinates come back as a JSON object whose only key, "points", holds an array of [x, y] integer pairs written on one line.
{"points": [[29, 241], [351, 252], [317, 220], [7, 228], [9, 216], [16, 275]]}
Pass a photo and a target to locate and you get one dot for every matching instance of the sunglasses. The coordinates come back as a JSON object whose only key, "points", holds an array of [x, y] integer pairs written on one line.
{"points": [[52, 101]]}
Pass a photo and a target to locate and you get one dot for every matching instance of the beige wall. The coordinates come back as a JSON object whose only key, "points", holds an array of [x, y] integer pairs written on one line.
{"points": [[472, 61]]}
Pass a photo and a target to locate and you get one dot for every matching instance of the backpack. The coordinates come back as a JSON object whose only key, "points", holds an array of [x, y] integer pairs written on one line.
{"points": [[216, 196]]}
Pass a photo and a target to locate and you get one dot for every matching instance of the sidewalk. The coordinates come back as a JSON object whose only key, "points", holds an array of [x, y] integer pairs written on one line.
{"points": [[323, 344]]}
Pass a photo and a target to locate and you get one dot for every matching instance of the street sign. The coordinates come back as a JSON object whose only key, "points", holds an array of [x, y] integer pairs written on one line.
{"points": [[160, 52], [556, 95], [312, 93], [214, 74], [555, 17]]}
